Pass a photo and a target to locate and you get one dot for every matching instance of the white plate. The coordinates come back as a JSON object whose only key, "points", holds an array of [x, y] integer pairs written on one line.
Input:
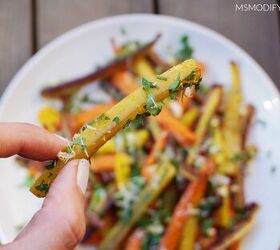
{"points": [[81, 49]]}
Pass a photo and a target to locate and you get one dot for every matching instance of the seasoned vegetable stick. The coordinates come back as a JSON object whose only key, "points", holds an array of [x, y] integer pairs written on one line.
{"points": [[95, 133]]}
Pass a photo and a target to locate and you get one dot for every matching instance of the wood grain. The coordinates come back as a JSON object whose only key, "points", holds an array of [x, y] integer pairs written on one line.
{"points": [[15, 38], [57, 16], [256, 32]]}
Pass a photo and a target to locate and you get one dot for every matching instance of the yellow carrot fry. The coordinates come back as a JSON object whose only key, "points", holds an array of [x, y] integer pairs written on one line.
{"points": [[231, 124], [190, 116], [50, 118], [224, 213], [210, 108], [143, 68], [122, 169], [238, 232], [165, 173], [95, 133], [189, 235]]}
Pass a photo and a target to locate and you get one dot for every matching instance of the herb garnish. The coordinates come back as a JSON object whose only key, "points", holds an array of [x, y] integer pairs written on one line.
{"points": [[147, 85], [174, 88], [43, 187], [152, 106], [206, 225], [51, 164], [117, 120], [186, 51]]}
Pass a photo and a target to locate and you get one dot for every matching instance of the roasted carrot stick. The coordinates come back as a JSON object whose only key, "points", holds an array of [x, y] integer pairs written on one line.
{"points": [[125, 82], [78, 120], [148, 167], [103, 163], [191, 197], [135, 240], [181, 133]]}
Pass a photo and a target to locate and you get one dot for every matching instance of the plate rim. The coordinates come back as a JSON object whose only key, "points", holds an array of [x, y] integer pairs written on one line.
{"points": [[77, 31]]}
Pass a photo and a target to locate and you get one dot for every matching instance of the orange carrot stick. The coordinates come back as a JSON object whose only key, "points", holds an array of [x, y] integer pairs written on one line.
{"points": [[135, 240], [78, 120], [103, 163], [148, 169], [191, 197], [125, 82], [180, 132]]}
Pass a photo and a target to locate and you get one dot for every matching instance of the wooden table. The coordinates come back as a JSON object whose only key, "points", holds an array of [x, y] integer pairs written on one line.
{"points": [[27, 25]]}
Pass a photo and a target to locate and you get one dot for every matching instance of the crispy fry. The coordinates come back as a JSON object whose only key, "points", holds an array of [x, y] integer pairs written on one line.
{"points": [[181, 133], [211, 105], [124, 82], [76, 121], [69, 87], [94, 134]]}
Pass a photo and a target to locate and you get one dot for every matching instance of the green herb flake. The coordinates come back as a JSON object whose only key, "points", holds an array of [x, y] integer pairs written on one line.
{"points": [[206, 225], [163, 78], [191, 76], [174, 88], [153, 107], [238, 157], [186, 51], [52, 164], [147, 85], [117, 120], [43, 187]]}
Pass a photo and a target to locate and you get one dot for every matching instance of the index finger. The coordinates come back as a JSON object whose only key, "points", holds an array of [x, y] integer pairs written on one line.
{"points": [[29, 141]]}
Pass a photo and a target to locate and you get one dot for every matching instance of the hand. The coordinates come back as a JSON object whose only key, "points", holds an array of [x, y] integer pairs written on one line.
{"points": [[60, 223]]}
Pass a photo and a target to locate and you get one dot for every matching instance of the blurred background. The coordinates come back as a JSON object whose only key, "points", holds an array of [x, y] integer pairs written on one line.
{"points": [[28, 25]]}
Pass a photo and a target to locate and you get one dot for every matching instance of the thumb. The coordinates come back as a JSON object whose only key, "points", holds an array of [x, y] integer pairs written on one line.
{"points": [[60, 223]]}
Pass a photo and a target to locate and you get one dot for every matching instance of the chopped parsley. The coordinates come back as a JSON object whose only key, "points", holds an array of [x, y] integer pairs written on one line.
{"points": [[152, 106], [43, 187], [117, 120], [78, 140], [186, 51], [238, 157], [206, 225], [51, 164], [174, 88], [147, 85]]}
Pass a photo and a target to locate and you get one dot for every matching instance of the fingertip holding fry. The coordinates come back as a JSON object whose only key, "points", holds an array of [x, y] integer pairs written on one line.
{"points": [[83, 174]]}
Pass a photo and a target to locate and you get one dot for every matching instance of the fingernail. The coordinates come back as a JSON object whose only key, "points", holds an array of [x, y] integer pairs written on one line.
{"points": [[82, 174]]}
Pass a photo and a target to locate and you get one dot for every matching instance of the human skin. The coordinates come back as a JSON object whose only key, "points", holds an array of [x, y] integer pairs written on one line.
{"points": [[60, 223]]}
